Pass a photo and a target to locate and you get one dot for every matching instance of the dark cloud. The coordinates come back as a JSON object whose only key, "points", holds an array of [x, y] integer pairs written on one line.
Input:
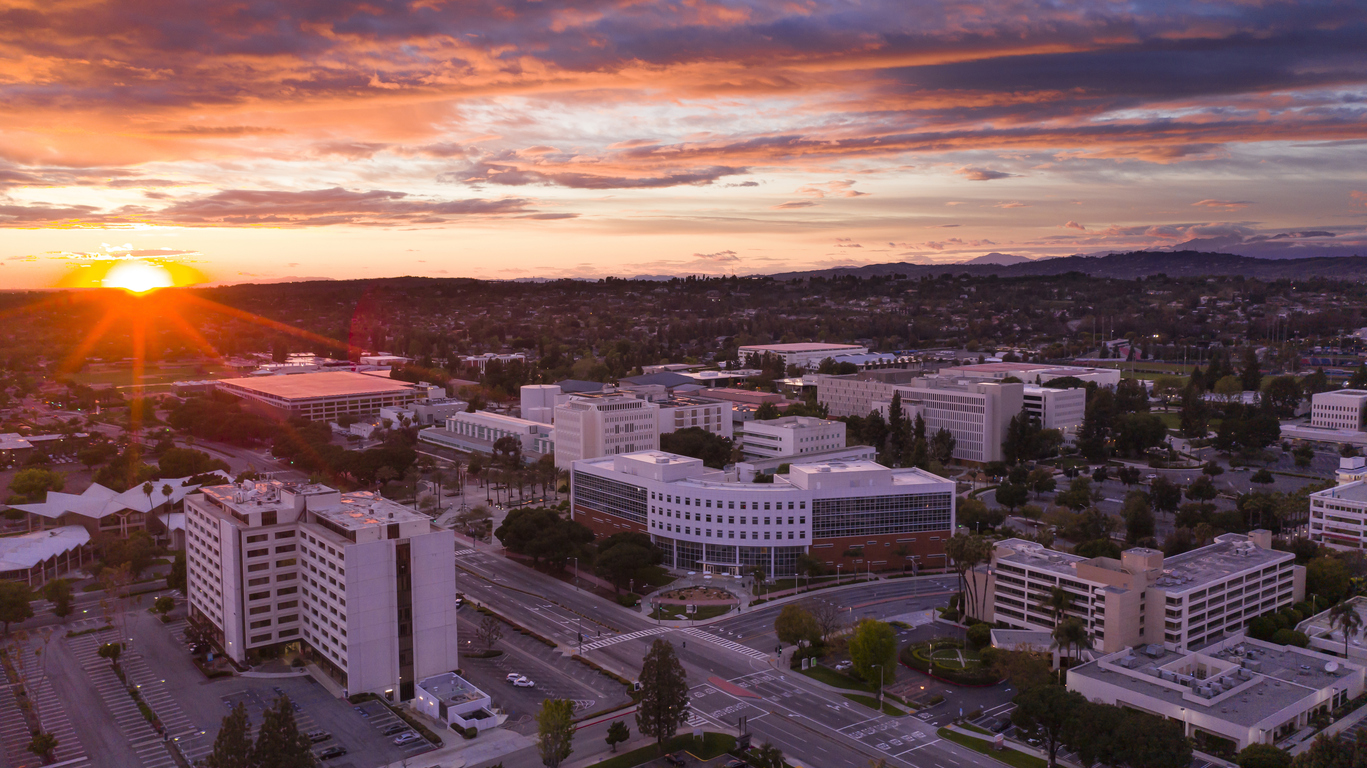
{"points": [[718, 256], [983, 174]]}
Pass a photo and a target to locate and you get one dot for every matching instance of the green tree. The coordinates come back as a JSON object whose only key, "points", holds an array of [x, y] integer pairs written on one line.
{"points": [[1146, 741], [232, 746], [164, 605], [795, 625], [1327, 577], [1202, 489], [714, 450], [555, 731], [766, 411], [942, 446], [58, 592], [1283, 396], [279, 742], [873, 644], [187, 462], [176, 578], [618, 732], [1250, 373], [966, 552], [1041, 480], [1070, 635], [767, 756], [1079, 494], [1138, 516], [622, 555], [975, 515], [15, 603], [111, 651], [35, 482], [1165, 495], [664, 694], [1057, 603], [1048, 711], [1333, 752], [1010, 495], [1262, 477], [1136, 433], [1263, 756]]}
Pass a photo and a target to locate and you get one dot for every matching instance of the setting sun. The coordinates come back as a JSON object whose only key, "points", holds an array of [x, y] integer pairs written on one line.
{"points": [[138, 277]]}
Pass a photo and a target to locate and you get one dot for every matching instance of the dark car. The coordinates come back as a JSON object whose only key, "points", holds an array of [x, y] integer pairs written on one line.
{"points": [[336, 750], [737, 763], [1001, 726], [394, 728], [676, 758]]}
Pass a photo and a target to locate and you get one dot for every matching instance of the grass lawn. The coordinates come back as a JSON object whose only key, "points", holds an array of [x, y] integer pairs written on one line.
{"points": [[975, 728], [1009, 756], [872, 703], [831, 677], [712, 745], [1171, 420]]}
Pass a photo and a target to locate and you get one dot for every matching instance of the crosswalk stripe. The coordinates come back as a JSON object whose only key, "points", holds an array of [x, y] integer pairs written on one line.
{"points": [[605, 642], [734, 647]]}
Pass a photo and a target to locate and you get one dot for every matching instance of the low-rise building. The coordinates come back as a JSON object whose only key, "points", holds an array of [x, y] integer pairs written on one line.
{"points": [[684, 411], [478, 431], [1061, 409], [104, 511], [802, 354], [1034, 373], [1228, 694], [365, 586], [856, 394], [1183, 601], [39, 556], [1339, 409], [1351, 469], [1338, 516], [849, 514], [976, 412], [480, 362], [450, 699], [789, 436], [322, 396]]}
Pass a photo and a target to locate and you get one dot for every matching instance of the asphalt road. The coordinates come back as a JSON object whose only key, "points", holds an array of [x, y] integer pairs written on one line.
{"points": [[731, 667]]}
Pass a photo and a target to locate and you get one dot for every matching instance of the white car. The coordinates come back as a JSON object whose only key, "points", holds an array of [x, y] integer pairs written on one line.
{"points": [[513, 677], [406, 738], [524, 682], [844, 665]]}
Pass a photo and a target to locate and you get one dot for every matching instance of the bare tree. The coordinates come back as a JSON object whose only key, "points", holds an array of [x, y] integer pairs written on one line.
{"points": [[830, 618], [490, 632]]}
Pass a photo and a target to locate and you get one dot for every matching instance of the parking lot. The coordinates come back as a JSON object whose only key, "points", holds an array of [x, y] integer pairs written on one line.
{"points": [[555, 676]]}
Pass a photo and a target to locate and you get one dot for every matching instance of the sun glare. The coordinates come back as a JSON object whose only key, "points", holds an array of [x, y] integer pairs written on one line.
{"points": [[138, 277]]}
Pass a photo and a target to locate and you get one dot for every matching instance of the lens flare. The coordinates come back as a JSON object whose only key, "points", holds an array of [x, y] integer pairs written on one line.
{"points": [[138, 277]]}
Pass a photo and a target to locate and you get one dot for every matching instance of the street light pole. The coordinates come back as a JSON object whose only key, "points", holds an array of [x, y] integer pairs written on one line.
{"points": [[838, 566], [880, 684], [576, 572]]}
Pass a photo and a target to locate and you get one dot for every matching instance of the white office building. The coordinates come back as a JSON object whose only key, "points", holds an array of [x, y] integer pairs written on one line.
{"points": [[1227, 695], [1061, 409], [790, 436], [977, 413], [1338, 516], [804, 354], [604, 424], [1351, 469], [1183, 601], [1340, 409], [1033, 373], [854, 514], [366, 586], [480, 362], [684, 411]]}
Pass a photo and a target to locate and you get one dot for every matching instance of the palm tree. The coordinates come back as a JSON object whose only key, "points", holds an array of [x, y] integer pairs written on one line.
{"points": [[147, 488], [1345, 617], [1070, 633], [1059, 601]]}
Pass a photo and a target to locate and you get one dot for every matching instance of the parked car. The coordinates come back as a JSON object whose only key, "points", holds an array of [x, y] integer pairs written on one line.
{"points": [[278, 690], [407, 738], [844, 666], [676, 758], [1001, 725], [513, 676], [319, 735], [736, 763], [394, 728], [524, 682], [336, 750]]}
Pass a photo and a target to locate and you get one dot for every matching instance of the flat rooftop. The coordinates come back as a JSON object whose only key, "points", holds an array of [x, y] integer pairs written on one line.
{"points": [[1265, 678], [1037, 556], [1229, 554], [1354, 491], [304, 386], [451, 689], [803, 346], [364, 509], [1320, 625]]}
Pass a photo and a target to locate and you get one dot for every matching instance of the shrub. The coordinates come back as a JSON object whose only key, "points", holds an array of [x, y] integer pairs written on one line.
{"points": [[1290, 637], [1262, 628], [980, 635]]}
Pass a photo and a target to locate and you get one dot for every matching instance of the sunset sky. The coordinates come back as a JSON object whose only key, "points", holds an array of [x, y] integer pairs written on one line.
{"points": [[261, 139]]}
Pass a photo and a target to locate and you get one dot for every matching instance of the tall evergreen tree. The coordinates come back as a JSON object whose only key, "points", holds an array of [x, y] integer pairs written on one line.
{"points": [[897, 430], [555, 731], [279, 743], [232, 747], [920, 449], [664, 694]]}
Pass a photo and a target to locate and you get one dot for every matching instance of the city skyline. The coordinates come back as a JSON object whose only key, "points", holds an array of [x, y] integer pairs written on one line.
{"points": [[499, 140]]}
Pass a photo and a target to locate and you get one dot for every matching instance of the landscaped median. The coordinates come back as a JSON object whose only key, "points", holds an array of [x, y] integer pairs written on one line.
{"points": [[947, 659], [1006, 755], [711, 745]]}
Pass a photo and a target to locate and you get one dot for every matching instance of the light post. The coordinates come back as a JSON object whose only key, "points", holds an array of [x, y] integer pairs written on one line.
{"points": [[631, 587], [880, 684], [576, 572], [838, 566]]}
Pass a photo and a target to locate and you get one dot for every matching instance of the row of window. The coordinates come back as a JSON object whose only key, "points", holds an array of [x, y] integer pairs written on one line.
{"points": [[689, 530], [689, 501]]}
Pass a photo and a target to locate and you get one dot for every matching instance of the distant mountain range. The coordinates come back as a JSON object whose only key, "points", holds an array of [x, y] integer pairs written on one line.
{"points": [[1123, 266]]}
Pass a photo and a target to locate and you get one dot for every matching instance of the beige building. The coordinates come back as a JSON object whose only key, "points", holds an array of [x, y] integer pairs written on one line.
{"points": [[790, 436], [1338, 516], [975, 412], [591, 425], [857, 394], [1340, 409], [1143, 598]]}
